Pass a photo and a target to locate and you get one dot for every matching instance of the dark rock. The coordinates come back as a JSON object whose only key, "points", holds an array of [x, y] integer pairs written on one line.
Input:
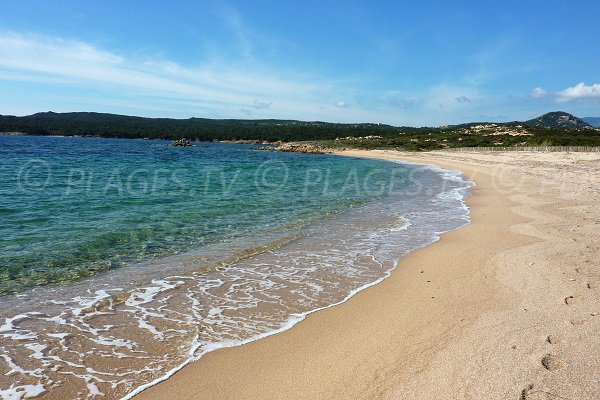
{"points": [[181, 143]]}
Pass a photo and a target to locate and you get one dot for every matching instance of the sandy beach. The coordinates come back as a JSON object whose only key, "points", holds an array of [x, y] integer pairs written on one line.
{"points": [[504, 308]]}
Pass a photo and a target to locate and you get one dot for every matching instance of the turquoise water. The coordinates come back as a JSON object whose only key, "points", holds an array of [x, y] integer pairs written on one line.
{"points": [[122, 261], [75, 207]]}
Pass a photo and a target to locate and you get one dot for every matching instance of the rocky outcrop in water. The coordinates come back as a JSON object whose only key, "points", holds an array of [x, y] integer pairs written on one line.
{"points": [[181, 143]]}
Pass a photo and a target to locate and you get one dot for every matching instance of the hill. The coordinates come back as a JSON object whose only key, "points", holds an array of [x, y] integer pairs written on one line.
{"points": [[552, 129], [593, 121], [557, 119], [122, 126]]}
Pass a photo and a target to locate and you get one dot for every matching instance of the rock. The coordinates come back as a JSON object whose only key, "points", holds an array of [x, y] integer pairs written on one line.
{"points": [[181, 143], [303, 148]]}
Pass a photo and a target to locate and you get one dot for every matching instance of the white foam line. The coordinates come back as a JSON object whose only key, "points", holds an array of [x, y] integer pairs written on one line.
{"points": [[233, 343], [296, 318], [452, 174]]}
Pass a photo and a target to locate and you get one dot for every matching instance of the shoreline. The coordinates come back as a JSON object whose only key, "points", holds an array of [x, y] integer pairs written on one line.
{"points": [[299, 317], [360, 247], [384, 341]]}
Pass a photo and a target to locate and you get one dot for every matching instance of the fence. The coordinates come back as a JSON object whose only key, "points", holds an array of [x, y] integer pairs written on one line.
{"points": [[529, 148]]}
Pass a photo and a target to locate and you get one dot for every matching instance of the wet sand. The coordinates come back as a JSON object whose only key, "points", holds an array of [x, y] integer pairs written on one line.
{"points": [[504, 308]]}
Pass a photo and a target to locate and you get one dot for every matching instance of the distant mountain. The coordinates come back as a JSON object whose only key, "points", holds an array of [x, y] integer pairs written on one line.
{"points": [[552, 129], [593, 121], [557, 119]]}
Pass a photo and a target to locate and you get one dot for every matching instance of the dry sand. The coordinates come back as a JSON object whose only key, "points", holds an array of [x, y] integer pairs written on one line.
{"points": [[504, 308]]}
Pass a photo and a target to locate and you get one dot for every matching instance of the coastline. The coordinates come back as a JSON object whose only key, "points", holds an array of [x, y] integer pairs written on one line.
{"points": [[490, 302]]}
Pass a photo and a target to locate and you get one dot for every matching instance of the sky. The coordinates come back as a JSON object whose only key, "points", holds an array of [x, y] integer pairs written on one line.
{"points": [[413, 63]]}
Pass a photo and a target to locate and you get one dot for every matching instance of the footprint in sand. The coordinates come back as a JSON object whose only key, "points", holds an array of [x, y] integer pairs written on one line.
{"points": [[552, 362], [525, 392], [569, 300], [587, 271], [553, 339]]}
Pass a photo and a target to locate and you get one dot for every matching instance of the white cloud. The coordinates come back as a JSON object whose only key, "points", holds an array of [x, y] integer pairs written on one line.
{"points": [[77, 63], [71, 75], [539, 92], [579, 92], [214, 89]]}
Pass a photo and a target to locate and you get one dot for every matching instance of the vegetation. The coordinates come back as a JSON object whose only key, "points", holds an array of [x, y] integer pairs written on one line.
{"points": [[557, 119], [367, 136], [434, 139], [120, 126]]}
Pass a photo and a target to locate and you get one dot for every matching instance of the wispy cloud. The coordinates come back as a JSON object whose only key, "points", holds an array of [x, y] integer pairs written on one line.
{"points": [[450, 98], [497, 61], [539, 92], [215, 89], [262, 104], [89, 76], [581, 91]]}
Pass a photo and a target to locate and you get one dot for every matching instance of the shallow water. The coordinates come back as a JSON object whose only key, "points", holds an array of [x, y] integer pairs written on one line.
{"points": [[251, 259]]}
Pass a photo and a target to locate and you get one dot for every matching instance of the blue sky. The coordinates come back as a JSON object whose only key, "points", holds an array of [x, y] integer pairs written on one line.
{"points": [[399, 62]]}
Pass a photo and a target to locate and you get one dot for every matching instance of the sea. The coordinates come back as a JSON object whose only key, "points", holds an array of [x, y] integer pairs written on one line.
{"points": [[121, 261]]}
